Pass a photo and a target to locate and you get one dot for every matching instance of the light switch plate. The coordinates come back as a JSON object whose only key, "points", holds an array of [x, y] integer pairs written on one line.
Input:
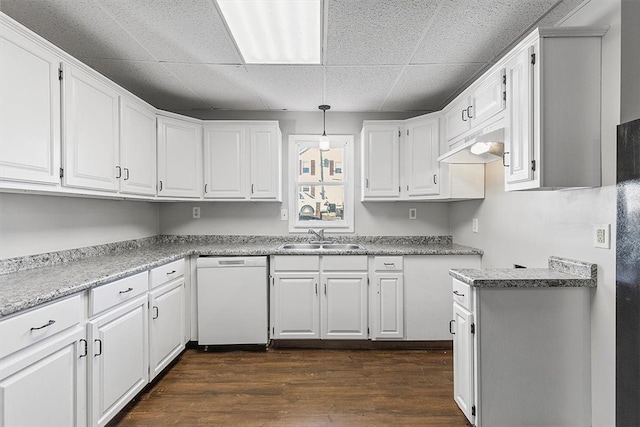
{"points": [[602, 236], [474, 225], [413, 213]]}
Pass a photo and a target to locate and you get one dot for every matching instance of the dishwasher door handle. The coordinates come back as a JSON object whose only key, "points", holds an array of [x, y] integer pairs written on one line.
{"points": [[232, 262]]}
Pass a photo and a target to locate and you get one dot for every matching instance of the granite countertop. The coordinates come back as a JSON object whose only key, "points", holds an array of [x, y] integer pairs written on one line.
{"points": [[30, 281], [562, 272]]}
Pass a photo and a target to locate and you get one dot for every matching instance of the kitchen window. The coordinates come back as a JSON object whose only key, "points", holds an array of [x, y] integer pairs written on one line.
{"points": [[321, 184]]}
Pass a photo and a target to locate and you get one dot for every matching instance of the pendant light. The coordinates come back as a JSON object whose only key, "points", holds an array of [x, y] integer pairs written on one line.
{"points": [[324, 144]]}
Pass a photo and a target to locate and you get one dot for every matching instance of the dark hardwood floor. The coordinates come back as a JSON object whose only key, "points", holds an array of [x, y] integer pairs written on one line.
{"points": [[301, 387]]}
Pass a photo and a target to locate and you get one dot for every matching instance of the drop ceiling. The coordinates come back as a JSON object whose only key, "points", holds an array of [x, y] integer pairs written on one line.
{"points": [[378, 55]]}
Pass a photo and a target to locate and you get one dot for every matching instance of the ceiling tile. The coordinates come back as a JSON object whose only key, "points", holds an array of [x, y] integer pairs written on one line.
{"points": [[177, 31], [150, 81], [296, 88], [359, 88], [220, 86], [477, 30], [375, 31], [427, 87], [80, 27]]}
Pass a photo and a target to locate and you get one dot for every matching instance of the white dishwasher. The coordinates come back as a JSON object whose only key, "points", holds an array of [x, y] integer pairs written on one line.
{"points": [[232, 300]]}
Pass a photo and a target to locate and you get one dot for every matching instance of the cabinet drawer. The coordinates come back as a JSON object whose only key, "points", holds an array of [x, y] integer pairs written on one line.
{"points": [[387, 263], [344, 263], [112, 294], [296, 263], [166, 273], [462, 294], [28, 328]]}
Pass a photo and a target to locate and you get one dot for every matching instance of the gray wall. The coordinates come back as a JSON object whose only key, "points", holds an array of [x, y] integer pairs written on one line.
{"points": [[264, 217], [31, 224], [527, 227]]}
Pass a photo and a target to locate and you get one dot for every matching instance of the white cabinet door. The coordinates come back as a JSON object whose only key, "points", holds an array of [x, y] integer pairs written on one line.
{"points": [[519, 132], [90, 131], [29, 110], [137, 148], [119, 345], [488, 98], [47, 385], [463, 382], [264, 143], [179, 158], [388, 306], [225, 165], [166, 325], [344, 306], [421, 169], [381, 162], [296, 305], [457, 119]]}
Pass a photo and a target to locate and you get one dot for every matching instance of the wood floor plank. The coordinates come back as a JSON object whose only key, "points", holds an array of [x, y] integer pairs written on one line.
{"points": [[301, 387]]}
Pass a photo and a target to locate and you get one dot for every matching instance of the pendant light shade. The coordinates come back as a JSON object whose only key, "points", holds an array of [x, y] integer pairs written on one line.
{"points": [[324, 144]]}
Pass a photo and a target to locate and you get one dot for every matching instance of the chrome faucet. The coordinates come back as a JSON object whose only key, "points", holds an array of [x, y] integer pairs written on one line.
{"points": [[319, 234]]}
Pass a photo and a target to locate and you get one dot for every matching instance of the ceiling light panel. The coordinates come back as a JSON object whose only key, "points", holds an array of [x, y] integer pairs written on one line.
{"points": [[275, 31]]}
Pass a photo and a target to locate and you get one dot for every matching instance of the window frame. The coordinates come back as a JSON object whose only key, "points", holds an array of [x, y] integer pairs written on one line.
{"points": [[348, 183]]}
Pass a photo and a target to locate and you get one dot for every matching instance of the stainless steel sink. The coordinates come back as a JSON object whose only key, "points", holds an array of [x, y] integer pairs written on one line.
{"points": [[342, 246], [321, 246], [300, 246]]}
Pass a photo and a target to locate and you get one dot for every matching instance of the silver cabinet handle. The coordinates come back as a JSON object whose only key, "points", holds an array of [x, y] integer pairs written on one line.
{"points": [[463, 119], [100, 343], [86, 350], [157, 314], [366, 183], [458, 293], [252, 188], [316, 289], [170, 272], [504, 163], [451, 330], [118, 172], [160, 186], [126, 174], [49, 323], [435, 178], [389, 264], [125, 291], [325, 288], [468, 112], [205, 189]]}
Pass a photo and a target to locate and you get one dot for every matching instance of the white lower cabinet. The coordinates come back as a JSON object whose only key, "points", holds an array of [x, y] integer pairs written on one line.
{"points": [[43, 379], [522, 355], [310, 301], [118, 350], [166, 325], [386, 319]]}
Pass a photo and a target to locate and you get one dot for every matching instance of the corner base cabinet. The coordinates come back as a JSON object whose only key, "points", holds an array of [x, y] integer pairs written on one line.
{"points": [[522, 355]]}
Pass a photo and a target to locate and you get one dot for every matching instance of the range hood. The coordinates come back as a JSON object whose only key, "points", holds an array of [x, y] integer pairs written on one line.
{"points": [[483, 147]]}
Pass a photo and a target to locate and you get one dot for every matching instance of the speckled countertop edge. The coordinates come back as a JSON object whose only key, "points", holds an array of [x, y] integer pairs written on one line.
{"points": [[562, 272], [32, 286]]}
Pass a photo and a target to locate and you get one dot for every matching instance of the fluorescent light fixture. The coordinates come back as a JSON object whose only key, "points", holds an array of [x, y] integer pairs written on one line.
{"points": [[275, 31]]}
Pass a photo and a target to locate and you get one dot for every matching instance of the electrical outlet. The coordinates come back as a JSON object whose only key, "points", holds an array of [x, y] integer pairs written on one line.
{"points": [[474, 225], [413, 213], [284, 214], [196, 212], [602, 236]]}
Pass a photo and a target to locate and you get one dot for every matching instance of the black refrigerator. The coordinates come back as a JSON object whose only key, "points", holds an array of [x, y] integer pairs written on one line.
{"points": [[628, 275]]}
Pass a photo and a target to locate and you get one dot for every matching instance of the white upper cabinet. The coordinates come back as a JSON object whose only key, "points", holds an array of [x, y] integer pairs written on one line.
{"points": [[421, 149], [29, 108], [179, 158], [265, 142], [90, 131], [552, 139], [242, 161], [482, 101], [137, 169], [380, 161]]}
